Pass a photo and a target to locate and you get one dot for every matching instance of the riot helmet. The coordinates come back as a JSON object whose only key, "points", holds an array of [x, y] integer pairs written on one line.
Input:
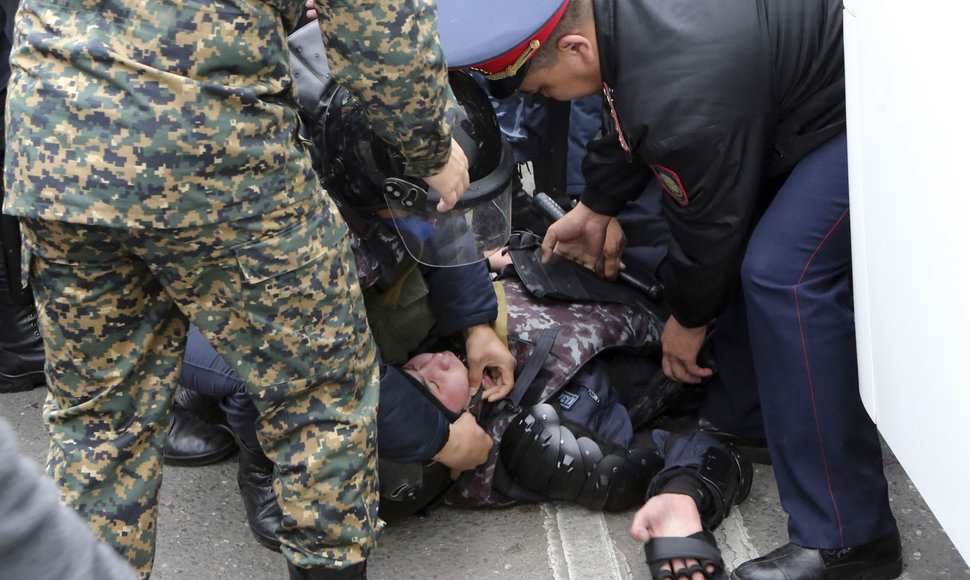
{"points": [[367, 174]]}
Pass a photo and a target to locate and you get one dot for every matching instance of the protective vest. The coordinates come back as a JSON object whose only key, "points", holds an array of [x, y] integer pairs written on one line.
{"points": [[554, 329]]}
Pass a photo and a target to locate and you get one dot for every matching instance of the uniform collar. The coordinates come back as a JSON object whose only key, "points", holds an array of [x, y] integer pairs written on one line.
{"points": [[605, 23]]}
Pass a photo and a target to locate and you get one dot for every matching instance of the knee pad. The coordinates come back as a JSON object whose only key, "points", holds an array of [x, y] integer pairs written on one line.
{"points": [[544, 455]]}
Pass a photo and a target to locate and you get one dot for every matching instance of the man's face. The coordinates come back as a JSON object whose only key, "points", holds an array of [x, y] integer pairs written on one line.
{"points": [[445, 376], [575, 74]]}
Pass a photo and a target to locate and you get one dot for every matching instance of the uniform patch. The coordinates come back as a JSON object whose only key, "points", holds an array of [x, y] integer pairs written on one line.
{"points": [[671, 183], [567, 400]]}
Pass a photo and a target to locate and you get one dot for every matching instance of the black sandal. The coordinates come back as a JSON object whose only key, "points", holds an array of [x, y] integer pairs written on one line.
{"points": [[700, 546]]}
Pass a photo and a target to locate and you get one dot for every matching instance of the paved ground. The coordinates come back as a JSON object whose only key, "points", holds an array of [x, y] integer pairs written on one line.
{"points": [[203, 535]]}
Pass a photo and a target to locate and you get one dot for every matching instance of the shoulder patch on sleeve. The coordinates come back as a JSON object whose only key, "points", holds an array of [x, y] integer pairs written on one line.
{"points": [[671, 183]]}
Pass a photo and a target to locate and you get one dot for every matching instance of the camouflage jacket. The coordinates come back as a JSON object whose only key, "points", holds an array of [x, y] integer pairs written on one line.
{"points": [[172, 114]]}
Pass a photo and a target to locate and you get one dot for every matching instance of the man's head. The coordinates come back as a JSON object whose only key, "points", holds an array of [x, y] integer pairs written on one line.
{"points": [[567, 66], [480, 36], [445, 376]]}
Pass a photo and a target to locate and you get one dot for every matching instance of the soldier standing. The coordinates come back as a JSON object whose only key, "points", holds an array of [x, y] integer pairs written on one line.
{"points": [[155, 165]]}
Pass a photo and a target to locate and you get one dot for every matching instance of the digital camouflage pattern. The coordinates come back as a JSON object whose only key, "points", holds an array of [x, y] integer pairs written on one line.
{"points": [[174, 124], [585, 330], [111, 304], [180, 113]]}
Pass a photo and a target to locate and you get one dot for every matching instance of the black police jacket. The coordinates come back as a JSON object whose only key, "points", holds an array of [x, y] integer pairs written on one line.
{"points": [[712, 98]]}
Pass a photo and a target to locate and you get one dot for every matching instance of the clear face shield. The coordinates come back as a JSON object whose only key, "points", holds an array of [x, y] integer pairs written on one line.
{"points": [[477, 227]]}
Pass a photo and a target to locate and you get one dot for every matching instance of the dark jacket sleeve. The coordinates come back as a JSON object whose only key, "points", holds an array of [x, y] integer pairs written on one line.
{"points": [[711, 216], [461, 297], [612, 178]]}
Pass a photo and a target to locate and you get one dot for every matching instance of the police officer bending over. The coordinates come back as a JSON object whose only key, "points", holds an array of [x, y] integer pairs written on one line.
{"points": [[737, 109]]}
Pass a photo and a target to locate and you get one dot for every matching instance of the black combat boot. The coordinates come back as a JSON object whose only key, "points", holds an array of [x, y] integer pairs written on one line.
{"points": [[355, 572], [256, 486], [21, 348], [195, 435]]}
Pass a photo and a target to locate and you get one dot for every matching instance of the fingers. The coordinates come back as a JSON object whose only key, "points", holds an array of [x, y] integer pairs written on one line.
{"points": [[684, 372], [498, 261], [311, 11], [452, 181], [499, 379], [449, 199], [613, 247], [490, 364], [680, 348], [640, 528], [549, 244], [640, 533], [467, 446], [686, 569], [611, 267], [475, 374], [501, 387]]}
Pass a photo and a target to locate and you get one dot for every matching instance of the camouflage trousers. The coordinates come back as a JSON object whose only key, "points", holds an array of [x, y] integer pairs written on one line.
{"points": [[278, 297]]}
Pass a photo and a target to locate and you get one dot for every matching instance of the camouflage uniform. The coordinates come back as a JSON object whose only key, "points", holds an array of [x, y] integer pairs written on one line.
{"points": [[154, 160]]}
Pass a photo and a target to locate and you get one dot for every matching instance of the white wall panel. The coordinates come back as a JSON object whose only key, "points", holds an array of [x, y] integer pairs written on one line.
{"points": [[908, 101]]}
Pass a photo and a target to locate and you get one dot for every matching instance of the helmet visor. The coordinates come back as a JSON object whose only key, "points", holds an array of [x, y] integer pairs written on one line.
{"points": [[477, 227]]}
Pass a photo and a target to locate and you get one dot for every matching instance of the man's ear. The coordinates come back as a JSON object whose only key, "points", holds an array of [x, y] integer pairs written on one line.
{"points": [[576, 44]]}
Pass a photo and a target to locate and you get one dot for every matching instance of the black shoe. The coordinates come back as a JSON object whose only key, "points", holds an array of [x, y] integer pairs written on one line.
{"points": [[355, 572], [755, 448], [204, 407], [881, 559], [256, 486], [193, 442], [21, 348]]}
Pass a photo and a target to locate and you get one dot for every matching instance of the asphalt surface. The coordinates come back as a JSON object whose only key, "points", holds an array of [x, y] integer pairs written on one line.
{"points": [[202, 532]]}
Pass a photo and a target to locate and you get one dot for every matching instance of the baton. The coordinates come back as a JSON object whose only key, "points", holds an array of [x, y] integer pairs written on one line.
{"points": [[552, 210]]}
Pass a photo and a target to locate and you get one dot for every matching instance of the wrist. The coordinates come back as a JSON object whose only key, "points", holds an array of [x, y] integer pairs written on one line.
{"points": [[592, 214], [475, 329]]}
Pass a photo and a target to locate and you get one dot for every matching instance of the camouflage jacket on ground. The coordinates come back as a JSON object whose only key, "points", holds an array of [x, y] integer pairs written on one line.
{"points": [[174, 114]]}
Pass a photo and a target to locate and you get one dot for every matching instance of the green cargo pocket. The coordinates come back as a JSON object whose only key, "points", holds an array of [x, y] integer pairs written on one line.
{"points": [[286, 250]]}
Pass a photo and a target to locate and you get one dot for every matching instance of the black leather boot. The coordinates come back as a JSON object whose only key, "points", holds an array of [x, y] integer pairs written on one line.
{"points": [[256, 486], [21, 348], [195, 436], [880, 559], [355, 572]]}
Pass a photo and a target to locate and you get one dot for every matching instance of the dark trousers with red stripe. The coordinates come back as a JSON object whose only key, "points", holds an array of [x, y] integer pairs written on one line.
{"points": [[796, 282]]}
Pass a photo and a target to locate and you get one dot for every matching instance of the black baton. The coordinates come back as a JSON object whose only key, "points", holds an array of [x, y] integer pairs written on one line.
{"points": [[549, 208]]}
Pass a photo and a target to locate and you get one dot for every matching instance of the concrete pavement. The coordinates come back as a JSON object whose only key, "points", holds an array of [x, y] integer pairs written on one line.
{"points": [[203, 535]]}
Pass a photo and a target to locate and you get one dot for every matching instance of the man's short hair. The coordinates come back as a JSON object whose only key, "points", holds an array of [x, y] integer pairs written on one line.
{"points": [[576, 17]]}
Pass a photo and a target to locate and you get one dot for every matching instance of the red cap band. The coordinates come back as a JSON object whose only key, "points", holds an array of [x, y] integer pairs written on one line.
{"points": [[507, 64]]}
